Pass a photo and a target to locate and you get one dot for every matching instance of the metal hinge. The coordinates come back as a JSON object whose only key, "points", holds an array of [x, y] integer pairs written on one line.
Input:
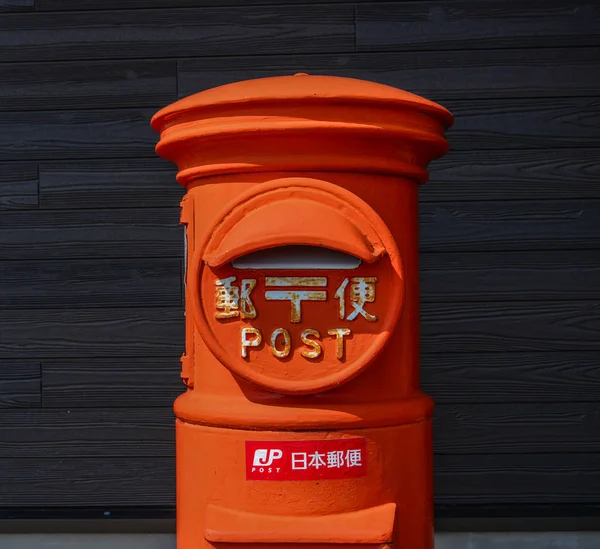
{"points": [[187, 370]]}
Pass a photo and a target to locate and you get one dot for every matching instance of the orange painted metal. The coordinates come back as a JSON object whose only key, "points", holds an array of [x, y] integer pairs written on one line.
{"points": [[303, 420]]}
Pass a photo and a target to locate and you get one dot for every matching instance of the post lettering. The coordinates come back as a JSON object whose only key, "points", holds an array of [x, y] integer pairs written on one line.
{"points": [[251, 337], [287, 343], [340, 334], [296, 297], [315, 348]]}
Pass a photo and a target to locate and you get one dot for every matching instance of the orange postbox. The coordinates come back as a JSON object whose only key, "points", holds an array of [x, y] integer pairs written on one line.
{"points": [[303, 421]]}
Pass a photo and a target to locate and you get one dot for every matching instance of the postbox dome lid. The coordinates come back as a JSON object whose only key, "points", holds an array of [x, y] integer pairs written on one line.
{"points": [[301, 86], [302, 123]]}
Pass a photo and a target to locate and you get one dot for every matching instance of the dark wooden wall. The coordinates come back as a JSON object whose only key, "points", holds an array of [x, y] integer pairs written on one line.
{"points": [[91, 296]]}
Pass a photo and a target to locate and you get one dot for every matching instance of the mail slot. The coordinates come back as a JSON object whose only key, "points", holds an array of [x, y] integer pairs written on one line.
{"points": [[303, 421]]}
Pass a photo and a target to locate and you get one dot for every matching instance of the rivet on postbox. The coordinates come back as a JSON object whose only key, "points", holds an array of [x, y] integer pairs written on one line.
{"points": [[304, 422]]}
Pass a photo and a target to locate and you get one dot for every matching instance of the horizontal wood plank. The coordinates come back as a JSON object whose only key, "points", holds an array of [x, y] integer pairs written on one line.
{"points": [[509, 428], [48, 135], [18, 186], [524, 123], [533, 174], [119, 183], [453, 327], [517, 479], [465, 226], [538, 428], [502, 378], [493, 276], [119, 333], [509, 226], [42, 86], [452, 378], [122, 133], [16, 5], [510, 326], [91, 234], [530, 174], [115, 481], [91, 283], [105, 382], [20, 384], [437, 75], [147, 33], [449, 278], [89, 432], [139, 481], [445, 24], [73, 5]]}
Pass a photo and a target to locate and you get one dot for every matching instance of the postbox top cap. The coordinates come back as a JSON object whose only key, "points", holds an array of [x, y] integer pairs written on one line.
{"points": [[296, 88]]}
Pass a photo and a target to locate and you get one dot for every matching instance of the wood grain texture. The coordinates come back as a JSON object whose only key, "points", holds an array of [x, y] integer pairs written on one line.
{"points": [[445, 24], [16, 5], [115, 481], [481, 378], [48, 86], [67, 5], [524, 123], [140, 481], [91, 234], [437, 75], [92, 325], [514, 174], [118, 183], [517, 479], [510, 326], [147, 33], [452, 327], [119, 333], [530, 174], [20, 384], [50, 135], [452, 378], [493, 276], [91, 283], [18, 186], [509, 226], [487, 124], [106, 382], [445, 277], [539, 428], [148, 432]]}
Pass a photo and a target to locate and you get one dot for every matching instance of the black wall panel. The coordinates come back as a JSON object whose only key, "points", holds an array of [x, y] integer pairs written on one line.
{"points": [[91, 311]]}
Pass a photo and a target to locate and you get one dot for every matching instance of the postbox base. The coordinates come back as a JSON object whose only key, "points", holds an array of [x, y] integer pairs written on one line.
{"points": [[369, 486]]}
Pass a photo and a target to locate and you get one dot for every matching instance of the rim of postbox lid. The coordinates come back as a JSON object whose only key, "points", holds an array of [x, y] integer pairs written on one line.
{"points": [[202, 133], [300, 86]]}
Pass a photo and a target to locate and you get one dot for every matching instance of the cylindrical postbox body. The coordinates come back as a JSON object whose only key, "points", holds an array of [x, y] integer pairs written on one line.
{"points": [[303, 420]]}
